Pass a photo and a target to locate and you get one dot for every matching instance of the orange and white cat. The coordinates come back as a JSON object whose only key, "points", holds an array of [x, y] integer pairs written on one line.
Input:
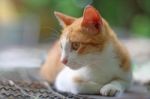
{"points": [[88, 58]]}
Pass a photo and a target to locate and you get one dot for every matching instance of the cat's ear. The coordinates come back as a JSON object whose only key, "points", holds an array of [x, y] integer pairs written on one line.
{"points": [[92, 19], [63, 19]]}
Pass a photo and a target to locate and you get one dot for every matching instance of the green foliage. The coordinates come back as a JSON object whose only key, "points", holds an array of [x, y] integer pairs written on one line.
{"points": [[144, 4], [66, 6], [82, 3], [117, 12], [36, 4], [141, 26], [129, 14]]}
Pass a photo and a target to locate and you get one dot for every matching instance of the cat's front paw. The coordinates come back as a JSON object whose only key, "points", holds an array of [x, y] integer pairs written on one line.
{"points": [[110, 90]]}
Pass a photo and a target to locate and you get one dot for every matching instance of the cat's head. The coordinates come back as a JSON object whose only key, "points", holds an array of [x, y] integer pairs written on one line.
{"points": [[82, 38]]}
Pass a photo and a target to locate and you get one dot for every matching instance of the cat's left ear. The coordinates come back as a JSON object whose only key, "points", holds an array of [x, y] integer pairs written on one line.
{"points": [[63, 19], [92, 19]]}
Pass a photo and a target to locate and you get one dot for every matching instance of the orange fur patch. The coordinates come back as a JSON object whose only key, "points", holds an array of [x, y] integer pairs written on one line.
{"points": [[52, 65], [89, 42], [78, 80], [120, 49]]}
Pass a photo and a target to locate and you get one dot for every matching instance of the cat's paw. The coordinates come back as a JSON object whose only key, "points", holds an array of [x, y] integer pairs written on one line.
{"points": [[110, 90]]}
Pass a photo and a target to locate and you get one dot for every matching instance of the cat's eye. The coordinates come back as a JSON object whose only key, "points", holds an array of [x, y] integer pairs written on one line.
{"points": [[75, 45]]}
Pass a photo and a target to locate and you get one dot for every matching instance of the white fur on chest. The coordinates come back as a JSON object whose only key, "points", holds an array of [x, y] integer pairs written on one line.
{"points": [[102, 69]]}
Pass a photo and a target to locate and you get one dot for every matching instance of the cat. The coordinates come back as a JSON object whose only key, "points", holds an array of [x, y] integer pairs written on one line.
{"points": [[88, 58]]}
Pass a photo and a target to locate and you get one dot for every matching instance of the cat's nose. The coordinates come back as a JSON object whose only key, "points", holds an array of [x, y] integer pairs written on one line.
{"points": [[64, 61]]}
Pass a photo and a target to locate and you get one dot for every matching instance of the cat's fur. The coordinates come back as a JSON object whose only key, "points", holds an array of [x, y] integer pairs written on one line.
{"points": [[88, 58]]}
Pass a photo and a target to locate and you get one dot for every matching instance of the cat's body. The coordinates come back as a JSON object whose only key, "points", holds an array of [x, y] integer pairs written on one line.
{"points": [[88, 58]]}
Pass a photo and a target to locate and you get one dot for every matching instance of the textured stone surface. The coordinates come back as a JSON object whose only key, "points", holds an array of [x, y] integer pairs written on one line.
{"points": [[41, 90]]}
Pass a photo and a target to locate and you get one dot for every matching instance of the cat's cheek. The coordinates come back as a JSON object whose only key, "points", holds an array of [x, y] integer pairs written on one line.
{"points": [[74, 61], [73, 65]]}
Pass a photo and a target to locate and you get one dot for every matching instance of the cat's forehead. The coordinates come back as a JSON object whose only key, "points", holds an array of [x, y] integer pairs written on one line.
{"points": [[72, 35], [75, 26], [65, 34], [65, 37], [76, 33]]}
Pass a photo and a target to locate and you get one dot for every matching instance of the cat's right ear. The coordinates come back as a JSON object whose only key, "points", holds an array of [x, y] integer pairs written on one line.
{"points": [[63, 19], [92, 19]]}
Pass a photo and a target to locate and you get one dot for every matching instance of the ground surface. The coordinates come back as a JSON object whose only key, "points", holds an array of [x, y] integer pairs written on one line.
{"points": [[19, 73]]}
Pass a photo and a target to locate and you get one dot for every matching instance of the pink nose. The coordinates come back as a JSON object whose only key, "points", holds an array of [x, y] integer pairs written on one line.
{"points": [[64, 61]]}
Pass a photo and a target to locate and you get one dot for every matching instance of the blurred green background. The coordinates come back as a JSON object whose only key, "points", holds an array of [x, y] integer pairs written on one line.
{"points": [[130, 16]]}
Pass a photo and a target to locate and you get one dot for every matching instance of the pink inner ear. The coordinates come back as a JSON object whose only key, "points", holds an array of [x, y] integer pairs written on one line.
{"points": [[91, 18]]}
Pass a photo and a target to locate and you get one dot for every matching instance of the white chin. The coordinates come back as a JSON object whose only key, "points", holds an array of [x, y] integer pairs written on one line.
{"points": [[73, 66]]}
